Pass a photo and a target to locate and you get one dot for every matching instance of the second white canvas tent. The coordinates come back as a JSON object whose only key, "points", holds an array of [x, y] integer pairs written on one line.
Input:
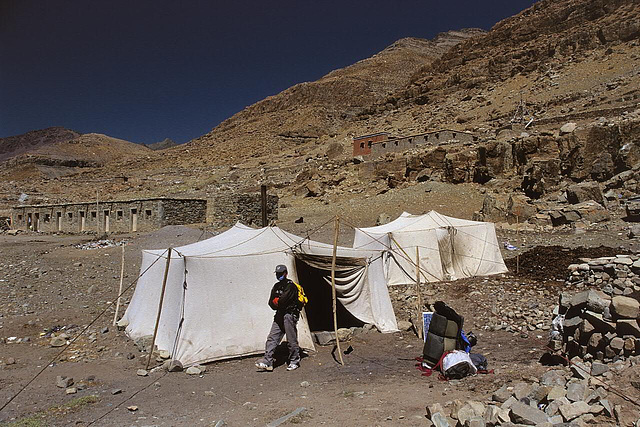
{"points": [[449, 248], [215, 304]]}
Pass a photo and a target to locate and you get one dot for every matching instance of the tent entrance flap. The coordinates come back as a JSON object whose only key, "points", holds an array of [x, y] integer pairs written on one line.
{"points": [[314, 275]]}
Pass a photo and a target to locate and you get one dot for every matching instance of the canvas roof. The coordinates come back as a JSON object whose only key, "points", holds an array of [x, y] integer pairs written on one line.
{"points": [[215, 303], [444, 247]]}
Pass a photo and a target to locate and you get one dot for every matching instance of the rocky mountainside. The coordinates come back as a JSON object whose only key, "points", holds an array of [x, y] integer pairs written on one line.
{"points": [[19, 144], [88, 150], [553, 56], [309, 111], [32, 172], [514, 87]]}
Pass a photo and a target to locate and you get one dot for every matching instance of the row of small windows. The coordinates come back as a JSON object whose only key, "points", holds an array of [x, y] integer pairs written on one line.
{"points": [[119, 215], [411, 141]]}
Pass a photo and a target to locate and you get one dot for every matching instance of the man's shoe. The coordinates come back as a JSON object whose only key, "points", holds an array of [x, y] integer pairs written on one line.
{"points": [[264, 367], [292, 366]]}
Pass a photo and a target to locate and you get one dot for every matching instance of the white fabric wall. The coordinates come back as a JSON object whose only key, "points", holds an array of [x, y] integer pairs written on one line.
{"points": [[226, 311], [229, 279], [449, 248], [143, 308]]}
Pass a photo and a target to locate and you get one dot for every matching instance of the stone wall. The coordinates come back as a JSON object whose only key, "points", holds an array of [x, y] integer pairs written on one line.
{"points": [[601, 323], [108, 217], [393, 145], [227, 209], [176, 212]]}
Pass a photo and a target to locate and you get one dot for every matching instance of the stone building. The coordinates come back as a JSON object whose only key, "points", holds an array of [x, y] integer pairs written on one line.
{"points": [[376, 145], [109, 216], [227, 209], [362, 144]]}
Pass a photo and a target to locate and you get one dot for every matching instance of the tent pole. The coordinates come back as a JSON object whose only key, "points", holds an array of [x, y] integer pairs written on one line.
{"points": [[518, 239], [98, 216], [164, 286], [115, 316], [420, 321], [333, 287], [408, 257], [263, 204]]}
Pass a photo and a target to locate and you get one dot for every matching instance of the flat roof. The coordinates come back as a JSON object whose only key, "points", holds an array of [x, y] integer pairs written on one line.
{"points": [[372, 134], [107, 201], [413, 136], [431, 133]]}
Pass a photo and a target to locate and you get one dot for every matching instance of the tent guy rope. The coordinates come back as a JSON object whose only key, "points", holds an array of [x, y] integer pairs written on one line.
{"points": [[64, 349]]}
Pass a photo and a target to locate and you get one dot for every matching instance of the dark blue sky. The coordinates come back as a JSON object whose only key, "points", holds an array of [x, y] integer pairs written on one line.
{"points": [[147, 70]]}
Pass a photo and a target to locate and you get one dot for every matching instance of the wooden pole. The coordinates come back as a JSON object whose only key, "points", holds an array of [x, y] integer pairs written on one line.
{"points": [[98, 216], [263, 200], [408, 258], [518, 240], [420, 321], [164, 286], [333, 287], [115, 316]]}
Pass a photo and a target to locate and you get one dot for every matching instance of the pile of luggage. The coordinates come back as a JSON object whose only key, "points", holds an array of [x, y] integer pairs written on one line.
{"points": [[447, 348]]}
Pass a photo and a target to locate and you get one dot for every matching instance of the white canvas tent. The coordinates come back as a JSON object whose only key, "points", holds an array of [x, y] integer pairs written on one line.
{"points": [[449, 248], [215, 303]]}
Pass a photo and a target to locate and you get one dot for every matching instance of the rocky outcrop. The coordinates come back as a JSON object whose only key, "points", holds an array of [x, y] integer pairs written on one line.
{"points": [[584, 192], [524, 43]]}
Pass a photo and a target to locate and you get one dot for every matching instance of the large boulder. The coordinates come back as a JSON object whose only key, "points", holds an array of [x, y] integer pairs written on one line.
{"points": [[589, 212], [592, 299], [625, 307], [391, 169], [628, 327], [527, 415], [502, 208], [568, 128], [574, 410], [335, 150], [602, 168], [584, 192], [458, 167], [633, 210], [539, 176], [519, 208], [314, 189]]}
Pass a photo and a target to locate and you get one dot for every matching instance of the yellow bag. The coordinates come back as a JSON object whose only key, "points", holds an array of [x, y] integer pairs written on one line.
{"points": [[302, 298]]}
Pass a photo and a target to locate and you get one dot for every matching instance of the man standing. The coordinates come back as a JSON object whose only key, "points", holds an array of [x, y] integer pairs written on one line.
{"points": [[284, 300]]}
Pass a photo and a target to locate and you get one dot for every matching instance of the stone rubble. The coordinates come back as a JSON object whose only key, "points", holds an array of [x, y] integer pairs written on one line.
{"points": [[64, 382], [558, 397], [195, 370], [344, 334], [600, 323], [100, 244]]}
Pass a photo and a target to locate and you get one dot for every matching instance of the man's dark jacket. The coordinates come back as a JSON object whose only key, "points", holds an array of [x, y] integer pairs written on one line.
{"points": [[287, 293]]}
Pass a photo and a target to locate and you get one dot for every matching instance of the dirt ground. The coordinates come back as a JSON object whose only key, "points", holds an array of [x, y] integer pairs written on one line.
{"points": [[46, 283]]}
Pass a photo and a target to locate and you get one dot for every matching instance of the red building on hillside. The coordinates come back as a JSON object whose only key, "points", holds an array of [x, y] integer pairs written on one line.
{"points": [[362, 144]]}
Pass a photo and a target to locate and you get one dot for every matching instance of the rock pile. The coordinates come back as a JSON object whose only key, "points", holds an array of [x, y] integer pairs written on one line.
{"points": [[100, 244], [587, 212], [559, 396], [600, 323], [344, 334]]}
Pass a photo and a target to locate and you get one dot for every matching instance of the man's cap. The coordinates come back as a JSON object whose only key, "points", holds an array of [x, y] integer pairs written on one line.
{"points": [[281, 269]]}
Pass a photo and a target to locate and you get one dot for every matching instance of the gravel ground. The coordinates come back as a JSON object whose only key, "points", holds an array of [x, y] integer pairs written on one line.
{"points": [[47, 282]]}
